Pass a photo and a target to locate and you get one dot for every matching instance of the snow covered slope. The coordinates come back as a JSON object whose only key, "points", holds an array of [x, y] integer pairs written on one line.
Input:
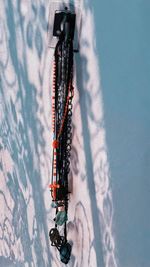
{"points": [[25, 145]]}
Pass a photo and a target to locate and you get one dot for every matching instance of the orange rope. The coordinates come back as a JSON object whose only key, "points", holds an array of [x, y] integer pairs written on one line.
{"points": [[53, 105], [53, 97], [65, 111]]}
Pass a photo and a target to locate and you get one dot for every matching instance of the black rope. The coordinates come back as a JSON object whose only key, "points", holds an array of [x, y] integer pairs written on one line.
{"points": [[64, 89]]}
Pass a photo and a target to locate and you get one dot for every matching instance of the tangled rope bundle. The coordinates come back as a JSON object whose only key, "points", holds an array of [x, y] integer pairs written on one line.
{"points": [[62, 95]]}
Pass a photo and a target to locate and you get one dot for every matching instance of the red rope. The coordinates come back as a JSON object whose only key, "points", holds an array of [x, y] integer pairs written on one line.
{"points": [[65, 110], [53, 97]]}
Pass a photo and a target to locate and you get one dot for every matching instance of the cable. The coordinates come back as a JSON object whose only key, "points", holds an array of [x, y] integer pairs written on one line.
{"points": [[62, 95]]}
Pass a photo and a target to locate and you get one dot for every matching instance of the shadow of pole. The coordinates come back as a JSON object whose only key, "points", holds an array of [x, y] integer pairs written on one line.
{"points": [[81, 63]]}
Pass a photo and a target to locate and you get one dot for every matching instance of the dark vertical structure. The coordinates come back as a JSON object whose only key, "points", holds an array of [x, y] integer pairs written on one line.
{"points": [[62, 94]]}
